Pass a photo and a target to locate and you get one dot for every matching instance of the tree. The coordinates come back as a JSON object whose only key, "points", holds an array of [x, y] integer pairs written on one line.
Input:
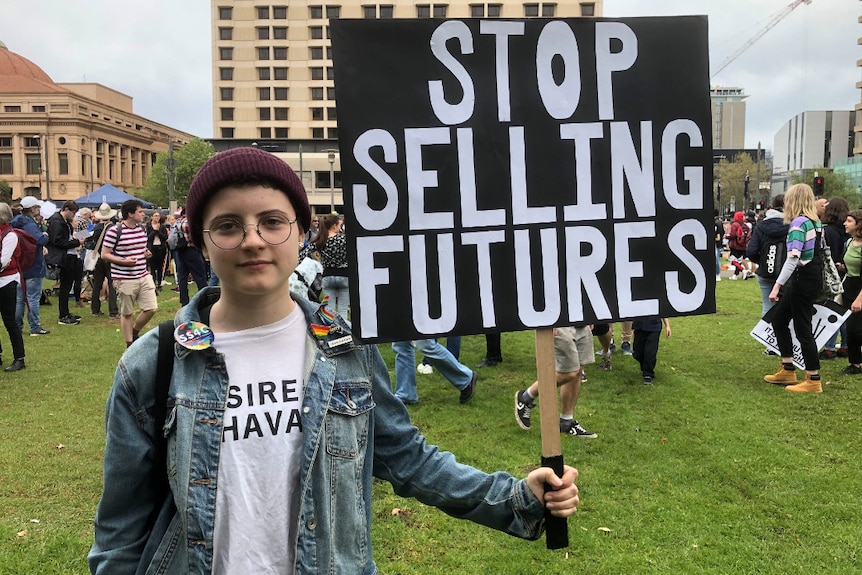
{"points": [[835, 184], [5, 192], [731, 175], [189, 160]]}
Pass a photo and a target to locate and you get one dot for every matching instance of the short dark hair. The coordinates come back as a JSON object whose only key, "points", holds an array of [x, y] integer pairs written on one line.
{"points": [[778, 202], [69, 205], [130, 207]]}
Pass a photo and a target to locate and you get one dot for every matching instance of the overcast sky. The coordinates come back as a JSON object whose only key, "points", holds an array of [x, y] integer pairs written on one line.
{"points": [[158, 52]]}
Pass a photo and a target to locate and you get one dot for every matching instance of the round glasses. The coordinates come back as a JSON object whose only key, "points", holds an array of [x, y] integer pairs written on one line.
{"points": [[229, 233]]}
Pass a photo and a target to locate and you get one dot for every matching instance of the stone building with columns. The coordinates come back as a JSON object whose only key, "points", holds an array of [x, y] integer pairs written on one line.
{"points": [[59, 141]]}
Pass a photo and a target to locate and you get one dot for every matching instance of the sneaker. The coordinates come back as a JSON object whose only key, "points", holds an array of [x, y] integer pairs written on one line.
{"points": [[718, 278], [842, 352], [647, 380], [468, 392], [98, 313], [424, 369], [584, 376], [69, 320], [768, 351], [114, 315], [732, 277], [73, 316], [851, 370], [572, 427], [40, 331], [828, 354], [523, 407], [613, 347], [748, 275], [627, 348], [605, 363]]}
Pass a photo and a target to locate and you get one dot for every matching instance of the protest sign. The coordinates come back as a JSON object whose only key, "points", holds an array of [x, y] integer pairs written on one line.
{"points": [[502, 175], [828, 318]]}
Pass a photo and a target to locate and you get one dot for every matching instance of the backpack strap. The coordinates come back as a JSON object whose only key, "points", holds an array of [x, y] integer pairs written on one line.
{"points": [[164, 371]]}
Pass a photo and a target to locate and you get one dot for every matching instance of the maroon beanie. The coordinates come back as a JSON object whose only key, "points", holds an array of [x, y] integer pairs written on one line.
{"points": [[239, 166]]}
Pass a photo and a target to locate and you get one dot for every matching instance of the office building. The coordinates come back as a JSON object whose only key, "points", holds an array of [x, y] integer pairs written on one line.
{"points": [[728, 117]]}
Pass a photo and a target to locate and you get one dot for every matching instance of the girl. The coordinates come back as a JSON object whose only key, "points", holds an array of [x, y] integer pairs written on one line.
{"points": [[801, 279], [853, 291]]}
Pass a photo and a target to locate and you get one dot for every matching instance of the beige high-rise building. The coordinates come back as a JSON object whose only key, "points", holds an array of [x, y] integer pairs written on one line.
{"points": [[728, 118], [272, 63]]}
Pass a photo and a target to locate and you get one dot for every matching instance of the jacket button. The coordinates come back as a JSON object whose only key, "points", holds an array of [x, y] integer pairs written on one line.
{"points": [[306, 409], [322, 359], [312, 523]]}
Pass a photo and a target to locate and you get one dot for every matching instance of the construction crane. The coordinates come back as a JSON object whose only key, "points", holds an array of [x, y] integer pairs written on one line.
{"points": [[775, 20]]}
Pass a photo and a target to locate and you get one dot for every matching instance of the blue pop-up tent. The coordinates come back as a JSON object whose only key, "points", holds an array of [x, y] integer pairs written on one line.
{"points": [[107, 194]]}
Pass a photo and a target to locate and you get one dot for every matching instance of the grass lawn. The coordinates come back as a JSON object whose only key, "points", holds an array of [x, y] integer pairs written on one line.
{"points": [[710, 470]]}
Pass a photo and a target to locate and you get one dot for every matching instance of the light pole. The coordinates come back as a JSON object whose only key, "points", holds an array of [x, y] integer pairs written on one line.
{"points": [[331, 181]]}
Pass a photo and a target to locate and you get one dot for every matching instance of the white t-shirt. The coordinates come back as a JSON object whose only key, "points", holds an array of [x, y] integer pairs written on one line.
{"points": [[257, 502]]}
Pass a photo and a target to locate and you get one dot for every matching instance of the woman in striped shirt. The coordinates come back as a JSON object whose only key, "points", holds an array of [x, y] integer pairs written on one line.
{"points": [[796, 291]]}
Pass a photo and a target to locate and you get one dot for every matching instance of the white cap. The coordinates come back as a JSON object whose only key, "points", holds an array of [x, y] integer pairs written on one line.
{"points": [[28, 202]]}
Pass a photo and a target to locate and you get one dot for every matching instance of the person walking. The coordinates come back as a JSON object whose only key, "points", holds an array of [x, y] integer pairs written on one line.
{"points": [[293, 495], [63, 254], [800, 278], [30, 289], [459, 375], [331, 244], [157, 243], [125, 248]]}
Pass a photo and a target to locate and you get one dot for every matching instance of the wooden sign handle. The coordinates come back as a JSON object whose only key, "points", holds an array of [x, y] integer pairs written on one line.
{"points": [[556, 528]]}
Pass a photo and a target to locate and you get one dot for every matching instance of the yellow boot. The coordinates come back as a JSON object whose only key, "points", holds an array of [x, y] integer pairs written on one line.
{"points": [[806, 386], [782, 377]]}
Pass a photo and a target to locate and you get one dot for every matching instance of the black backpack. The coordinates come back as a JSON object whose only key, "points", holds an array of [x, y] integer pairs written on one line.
{"points": [[773, 252]]}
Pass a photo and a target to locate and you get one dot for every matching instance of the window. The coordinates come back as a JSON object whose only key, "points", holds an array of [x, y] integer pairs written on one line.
{"points": [[226, 94], [281, 113], [330, 93], [263, 12], [330, 73], [279, 53], [263, 93], [317, 113], [386, 12], [317, 134], [263, 73], [332, 134], [32, 142], [5, 142], [317, 73], [226, 114], [440, 10], [317, 94], [333, 11], [531, 10], [263, 113], [477, 10], [329, 52], [5, 163], [225, 53], [548, 10], [316, 32], [317, 52], [423, 11], [225, 133], [321, 179], [63, 161], [280, 73], [12, 108], [588, 9], [34, 164], [38, 108], [225, 74], [263, 32], [281, 132], [494, 10], [263, 53], [225, 33], [315, 12], [331, 114], [266, 133], [279, 32], [281, 93], [279, 12], [369, 12], [225, 13]]}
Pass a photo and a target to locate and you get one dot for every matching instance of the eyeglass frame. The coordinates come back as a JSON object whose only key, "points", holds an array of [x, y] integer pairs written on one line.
{"points": [[256, 228]]}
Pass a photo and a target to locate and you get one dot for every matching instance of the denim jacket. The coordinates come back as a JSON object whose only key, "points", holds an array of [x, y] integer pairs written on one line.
{"points": [[353, 429]]}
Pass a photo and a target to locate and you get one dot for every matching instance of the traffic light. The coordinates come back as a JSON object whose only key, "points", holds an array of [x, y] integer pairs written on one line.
{"points": [[818, 186]]}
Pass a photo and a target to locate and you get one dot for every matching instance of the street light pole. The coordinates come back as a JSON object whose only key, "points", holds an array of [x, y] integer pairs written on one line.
{"points": [[331, 181]]}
